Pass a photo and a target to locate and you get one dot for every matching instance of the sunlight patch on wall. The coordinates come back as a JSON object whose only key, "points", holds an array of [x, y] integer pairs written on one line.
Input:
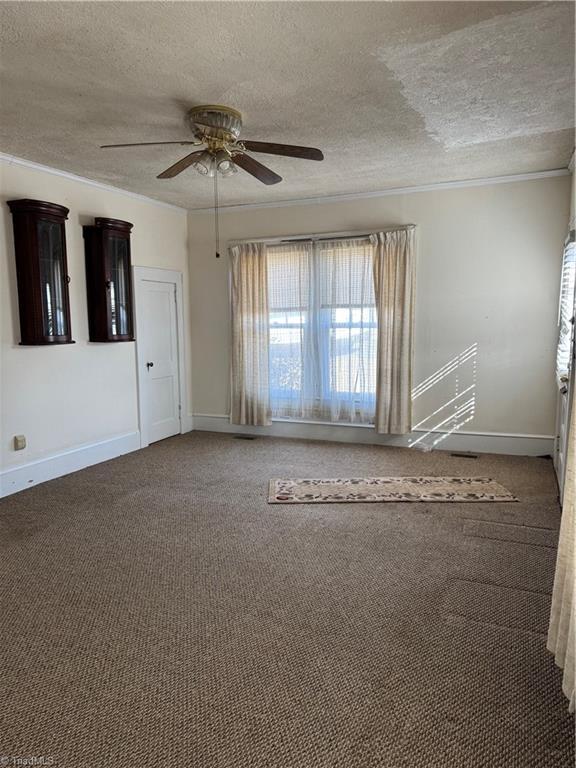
{"points": [[458, 378]]}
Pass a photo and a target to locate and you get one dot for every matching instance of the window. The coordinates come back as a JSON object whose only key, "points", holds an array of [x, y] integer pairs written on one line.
{"points": [[323, 331], [566, 312]]}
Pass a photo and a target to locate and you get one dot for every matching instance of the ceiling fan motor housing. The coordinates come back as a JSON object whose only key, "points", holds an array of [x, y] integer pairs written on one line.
{"points": [[212, 121]]}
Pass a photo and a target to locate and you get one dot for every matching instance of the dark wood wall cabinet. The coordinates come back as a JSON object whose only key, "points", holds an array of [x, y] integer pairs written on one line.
{"points": [[109, 280], [41, 271]]}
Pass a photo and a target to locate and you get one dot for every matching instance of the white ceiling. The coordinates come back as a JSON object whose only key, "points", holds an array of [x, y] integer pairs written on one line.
{"points": [[395, 93]]}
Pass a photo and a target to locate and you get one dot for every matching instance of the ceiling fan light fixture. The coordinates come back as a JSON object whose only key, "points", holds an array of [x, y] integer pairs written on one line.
{"points": [[205, 164], [225, 164], [230, 170]]}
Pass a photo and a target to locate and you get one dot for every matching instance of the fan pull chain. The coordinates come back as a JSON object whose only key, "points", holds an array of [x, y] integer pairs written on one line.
{"points": [[216, 224]]}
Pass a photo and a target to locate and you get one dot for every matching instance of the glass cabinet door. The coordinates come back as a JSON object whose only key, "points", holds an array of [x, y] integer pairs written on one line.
{"points": [[119, 286], [52, 278]]}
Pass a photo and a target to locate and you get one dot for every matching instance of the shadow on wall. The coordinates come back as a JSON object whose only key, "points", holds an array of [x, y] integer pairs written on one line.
{"points": [[456, 380]]}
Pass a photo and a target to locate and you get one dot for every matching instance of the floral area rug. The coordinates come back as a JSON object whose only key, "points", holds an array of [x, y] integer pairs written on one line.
{"points": [[312, 491]]}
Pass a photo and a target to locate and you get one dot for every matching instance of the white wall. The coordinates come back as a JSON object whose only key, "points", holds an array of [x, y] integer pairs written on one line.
{"points": [[488, 269], [78, 394]]}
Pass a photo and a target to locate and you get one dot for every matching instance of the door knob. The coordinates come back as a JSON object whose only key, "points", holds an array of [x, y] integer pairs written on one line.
{"points": [[149, 365]]}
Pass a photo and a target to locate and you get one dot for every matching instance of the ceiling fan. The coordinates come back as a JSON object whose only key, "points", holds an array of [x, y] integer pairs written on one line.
{"points": [[218, 129]]}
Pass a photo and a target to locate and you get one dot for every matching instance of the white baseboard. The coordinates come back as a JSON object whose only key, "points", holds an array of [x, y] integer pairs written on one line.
{"points": [[476, 442], [187, 422], [24, 476]]}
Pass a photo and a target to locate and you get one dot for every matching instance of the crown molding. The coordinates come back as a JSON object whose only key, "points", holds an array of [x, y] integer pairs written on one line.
{"points": [[13, 160], [437, 187]]}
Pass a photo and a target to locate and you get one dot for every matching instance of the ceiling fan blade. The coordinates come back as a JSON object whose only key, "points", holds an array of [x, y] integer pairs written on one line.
{"points": [[180, 166], [151, 144], [289, 150], [263, 174]]}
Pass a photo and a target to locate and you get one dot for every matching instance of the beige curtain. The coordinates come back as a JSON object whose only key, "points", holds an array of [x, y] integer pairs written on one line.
{"points": [[562, 629], [250, 399], [394, 277]]}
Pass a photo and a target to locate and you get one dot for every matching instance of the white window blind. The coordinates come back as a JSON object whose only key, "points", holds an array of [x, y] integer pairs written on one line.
{"points": [[323, 330], [566, 312]]}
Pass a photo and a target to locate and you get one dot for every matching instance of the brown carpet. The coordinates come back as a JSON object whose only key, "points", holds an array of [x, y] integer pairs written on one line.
{"points": [[156, 611]]}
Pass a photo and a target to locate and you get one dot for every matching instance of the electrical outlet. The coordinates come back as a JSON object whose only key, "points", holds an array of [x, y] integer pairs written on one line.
{"points": [[19, 442]]}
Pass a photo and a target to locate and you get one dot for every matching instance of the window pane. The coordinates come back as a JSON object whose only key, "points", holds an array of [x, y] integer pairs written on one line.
{"points": [[288, 278], [353, 351], [52, 278], [286, 318], [345, 273], [286, 335]]}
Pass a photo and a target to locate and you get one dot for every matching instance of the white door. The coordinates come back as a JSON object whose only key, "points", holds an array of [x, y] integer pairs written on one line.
{"points": [[562, 432], [158, 370]]}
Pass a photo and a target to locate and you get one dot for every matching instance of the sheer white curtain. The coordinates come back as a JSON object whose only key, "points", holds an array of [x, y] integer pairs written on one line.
{"points": [[562, 629], [394, 279], [323, 330], [250, 401]]}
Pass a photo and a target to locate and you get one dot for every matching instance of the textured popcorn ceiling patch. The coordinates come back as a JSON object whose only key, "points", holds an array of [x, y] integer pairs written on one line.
{"points": [[73, 78], [476, 84]]}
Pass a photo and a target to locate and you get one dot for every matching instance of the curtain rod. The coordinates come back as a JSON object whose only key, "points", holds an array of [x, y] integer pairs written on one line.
{"points": [[320, 236]]}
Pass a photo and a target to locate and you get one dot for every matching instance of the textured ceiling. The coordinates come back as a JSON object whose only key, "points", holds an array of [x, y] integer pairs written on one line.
{"points": [[395, 93]]}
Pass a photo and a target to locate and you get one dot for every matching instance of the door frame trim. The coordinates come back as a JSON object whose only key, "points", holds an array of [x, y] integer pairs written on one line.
{"points": [[141, 275]]}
